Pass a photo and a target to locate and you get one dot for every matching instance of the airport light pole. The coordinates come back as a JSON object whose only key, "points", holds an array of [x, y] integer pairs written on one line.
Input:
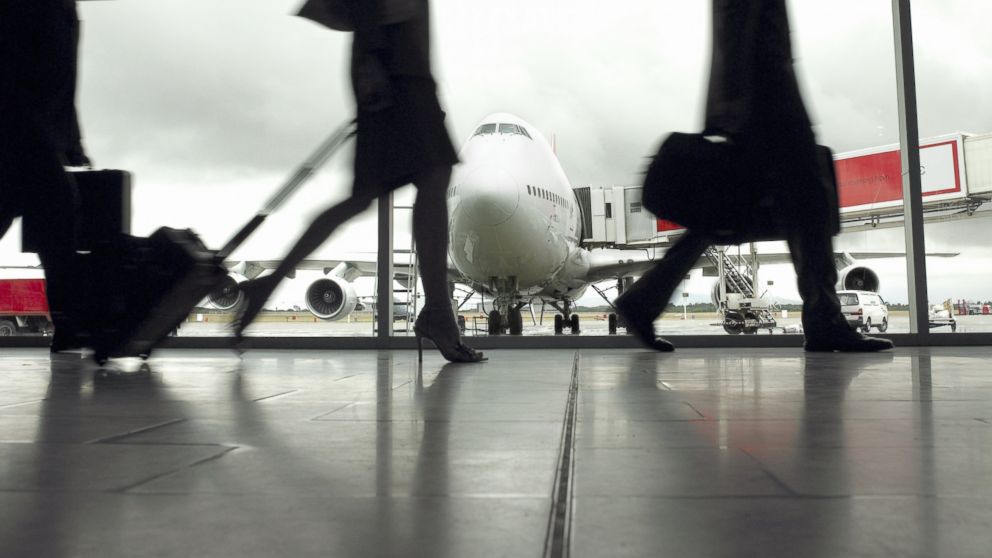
{"points": [[912, 183]]}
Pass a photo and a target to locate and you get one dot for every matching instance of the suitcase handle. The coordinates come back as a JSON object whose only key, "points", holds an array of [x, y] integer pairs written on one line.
{"points": [[316, 160]]}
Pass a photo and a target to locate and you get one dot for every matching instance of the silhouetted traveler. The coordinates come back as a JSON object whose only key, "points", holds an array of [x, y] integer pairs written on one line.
{"points": [[39, 135], [401, 139], [754, 100]]}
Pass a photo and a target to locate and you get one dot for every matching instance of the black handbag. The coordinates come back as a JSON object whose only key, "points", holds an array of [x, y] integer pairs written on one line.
{"points": [[705, 182]]}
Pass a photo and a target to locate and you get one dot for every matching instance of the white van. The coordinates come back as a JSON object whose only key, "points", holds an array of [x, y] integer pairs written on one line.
{"points": [[864, 310]]}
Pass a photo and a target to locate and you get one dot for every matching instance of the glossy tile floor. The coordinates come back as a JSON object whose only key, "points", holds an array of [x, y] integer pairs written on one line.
{"points": [[592, 453]]}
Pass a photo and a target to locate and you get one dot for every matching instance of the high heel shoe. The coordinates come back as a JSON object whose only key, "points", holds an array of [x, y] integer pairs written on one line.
{"points": [[640, 323], [256, 292], [448, 342]]}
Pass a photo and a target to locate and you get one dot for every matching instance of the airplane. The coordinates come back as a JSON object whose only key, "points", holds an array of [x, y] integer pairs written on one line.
{"points": [[515, 230]]}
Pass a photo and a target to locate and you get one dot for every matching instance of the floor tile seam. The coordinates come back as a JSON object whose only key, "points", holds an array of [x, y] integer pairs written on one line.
{"points": [[165, 474], [797, 497], [275, 396], [116, 438], [21, 403], [344, 406], [393, 495], [439, 421], [666, 448], [558, 535], [774, 478], [948, 421], [543, 498]]}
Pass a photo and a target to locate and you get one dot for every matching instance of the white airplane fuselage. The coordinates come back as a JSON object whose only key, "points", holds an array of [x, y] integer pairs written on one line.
{"points": [[514, 222]]}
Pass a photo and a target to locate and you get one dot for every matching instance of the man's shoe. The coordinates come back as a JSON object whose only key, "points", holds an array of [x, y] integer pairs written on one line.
{"points": [[640, 323], [847, 342]]}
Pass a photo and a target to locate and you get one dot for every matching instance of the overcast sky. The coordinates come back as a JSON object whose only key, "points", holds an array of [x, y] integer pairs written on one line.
{"points": [[212, 103]]}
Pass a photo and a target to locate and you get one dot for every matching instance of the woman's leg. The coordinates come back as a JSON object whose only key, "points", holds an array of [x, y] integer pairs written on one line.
{"points": [[430, 232], [258, 291]]}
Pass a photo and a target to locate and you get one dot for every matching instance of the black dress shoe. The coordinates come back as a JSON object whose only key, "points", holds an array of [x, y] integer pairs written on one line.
{"points": [[846, 342], [640, 323]]}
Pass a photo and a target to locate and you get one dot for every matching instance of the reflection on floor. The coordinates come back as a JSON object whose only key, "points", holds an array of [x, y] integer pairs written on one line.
{"points": [[758, 452]]}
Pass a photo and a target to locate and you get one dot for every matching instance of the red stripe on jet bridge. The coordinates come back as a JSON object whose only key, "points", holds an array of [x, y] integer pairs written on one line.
{"points": [[667, 226], [877, 178]]}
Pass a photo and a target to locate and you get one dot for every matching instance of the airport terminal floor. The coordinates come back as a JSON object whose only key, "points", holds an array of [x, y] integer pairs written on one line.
{"points": [[583, 453]]}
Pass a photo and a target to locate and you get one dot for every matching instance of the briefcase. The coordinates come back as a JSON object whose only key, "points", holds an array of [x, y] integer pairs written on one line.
{"points": [[705, 183]]}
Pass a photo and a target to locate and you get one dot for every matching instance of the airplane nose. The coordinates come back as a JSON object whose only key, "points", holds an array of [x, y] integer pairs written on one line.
{"points": [[489, 195]]}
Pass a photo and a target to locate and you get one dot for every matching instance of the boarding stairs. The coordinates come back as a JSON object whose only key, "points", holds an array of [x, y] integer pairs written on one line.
{"points": [[743, 312]]}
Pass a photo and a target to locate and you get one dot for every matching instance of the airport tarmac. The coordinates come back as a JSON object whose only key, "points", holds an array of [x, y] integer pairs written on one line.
{"points": [[591, 324]]}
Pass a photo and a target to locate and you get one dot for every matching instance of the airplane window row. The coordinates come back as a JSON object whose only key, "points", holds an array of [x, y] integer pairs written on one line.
{"points": [[502, 129], [550, 196]]}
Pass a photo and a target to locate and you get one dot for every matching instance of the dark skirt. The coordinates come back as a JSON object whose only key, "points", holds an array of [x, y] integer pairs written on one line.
{"points": [[397, 144]]}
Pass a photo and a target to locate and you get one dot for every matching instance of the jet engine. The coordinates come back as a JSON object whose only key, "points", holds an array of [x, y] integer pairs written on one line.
{"points": [[227, 296], [857, 278], [331, 298]]}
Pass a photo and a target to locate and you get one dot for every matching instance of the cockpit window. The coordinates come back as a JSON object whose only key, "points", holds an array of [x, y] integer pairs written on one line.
{"points": [[508, 129], [485, 129], [513, 129]]}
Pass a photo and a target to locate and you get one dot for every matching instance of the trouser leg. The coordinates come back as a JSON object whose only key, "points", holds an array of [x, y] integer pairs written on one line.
{"points": [[655, 288], [812, 257], [50, 212]]}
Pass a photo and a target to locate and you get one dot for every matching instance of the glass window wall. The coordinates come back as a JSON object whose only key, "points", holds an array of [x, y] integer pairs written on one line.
{"points": [[209, 142], [952, 68]]}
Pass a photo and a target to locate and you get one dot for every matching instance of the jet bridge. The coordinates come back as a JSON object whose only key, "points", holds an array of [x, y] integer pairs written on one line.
{"points": [[614, 217], [956, 172]]}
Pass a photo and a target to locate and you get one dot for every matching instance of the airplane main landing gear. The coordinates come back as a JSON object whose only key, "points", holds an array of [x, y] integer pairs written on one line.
{"points": [[494, 322], [516, 321]]}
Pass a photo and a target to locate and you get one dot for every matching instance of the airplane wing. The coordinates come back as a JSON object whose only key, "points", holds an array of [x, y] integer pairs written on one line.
{"points": [[612, 264], [365, 262]]}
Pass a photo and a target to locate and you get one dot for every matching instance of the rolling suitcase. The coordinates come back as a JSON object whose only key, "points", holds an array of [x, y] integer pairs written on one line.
{"points": [[170, 272]]}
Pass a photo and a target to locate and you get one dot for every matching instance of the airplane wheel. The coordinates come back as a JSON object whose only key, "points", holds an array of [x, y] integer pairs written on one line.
{"points": [[750, 330], [733, 323], [885, 325], [516, 322], [867, 327], [575, 324], [559, 324], [494, 322], [612, 320]]}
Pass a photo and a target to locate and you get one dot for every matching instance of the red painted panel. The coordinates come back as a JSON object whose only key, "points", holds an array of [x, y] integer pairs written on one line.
{"points": [[869, 179], [877, 177], [668, 226], [23, 297]]}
